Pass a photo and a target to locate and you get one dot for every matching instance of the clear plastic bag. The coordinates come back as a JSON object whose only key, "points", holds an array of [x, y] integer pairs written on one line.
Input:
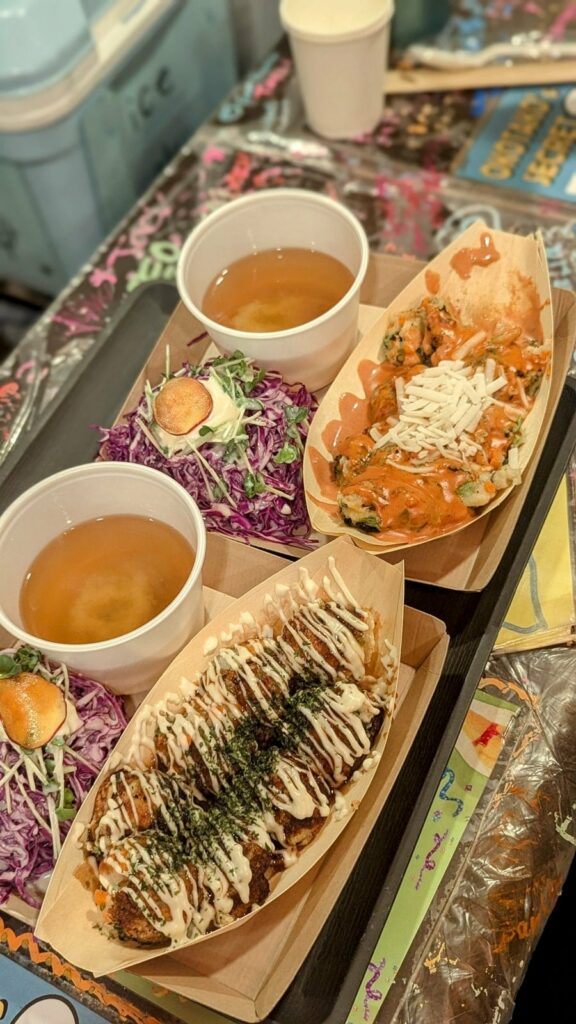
{"points": [[468, 959], [482, 32]]}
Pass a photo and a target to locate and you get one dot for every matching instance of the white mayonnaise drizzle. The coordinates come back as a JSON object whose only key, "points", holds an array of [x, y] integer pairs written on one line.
{"points": [[181, 754]]}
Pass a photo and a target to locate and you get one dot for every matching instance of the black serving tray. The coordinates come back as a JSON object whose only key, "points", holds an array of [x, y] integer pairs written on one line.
{"points": [[94, 393], [326, 985]]}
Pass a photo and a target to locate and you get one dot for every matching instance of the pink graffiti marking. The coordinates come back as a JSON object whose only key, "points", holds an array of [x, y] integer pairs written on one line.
{"points": [[412, 204], [85, 314], [24, 369], [213, 155], [269, 84], [239, 172], [102, 275], [372, 993], [429, 863], [28, 371], [269, 176], [558, 27], [74, 326], [148, 223]]}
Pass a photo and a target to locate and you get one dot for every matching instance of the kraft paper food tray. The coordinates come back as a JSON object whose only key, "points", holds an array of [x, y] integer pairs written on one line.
{"points": [[514, 284], [467, 560], [246, 972], [68, 912]]}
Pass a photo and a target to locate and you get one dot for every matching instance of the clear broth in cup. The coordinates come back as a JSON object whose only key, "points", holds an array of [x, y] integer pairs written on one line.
{"points": [[276, 289], [104, 578]]}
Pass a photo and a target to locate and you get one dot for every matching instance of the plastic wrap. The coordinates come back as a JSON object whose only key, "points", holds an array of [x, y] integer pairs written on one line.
{"points": [[468, 959], [481, 32]]}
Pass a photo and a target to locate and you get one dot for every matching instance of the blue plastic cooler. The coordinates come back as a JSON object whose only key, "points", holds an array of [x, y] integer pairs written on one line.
{"points": [[96, 96]]}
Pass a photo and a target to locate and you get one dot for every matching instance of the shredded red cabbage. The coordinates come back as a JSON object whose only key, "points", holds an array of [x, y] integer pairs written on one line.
{"points": [[262, 492], [26, 847]]}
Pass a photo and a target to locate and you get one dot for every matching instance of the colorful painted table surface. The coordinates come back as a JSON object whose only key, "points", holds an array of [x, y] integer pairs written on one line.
{"points": [[500, 836]]}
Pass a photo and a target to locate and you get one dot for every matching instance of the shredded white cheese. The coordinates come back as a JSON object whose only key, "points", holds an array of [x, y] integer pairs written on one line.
{"points": [[440, 408]]}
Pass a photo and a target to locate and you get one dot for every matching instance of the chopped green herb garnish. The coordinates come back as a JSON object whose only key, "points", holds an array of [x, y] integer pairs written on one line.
{"points": [[288, 453], [67, 809], [25, 659], [235, 450], [296, 413], [8, 666], [254, 484]]}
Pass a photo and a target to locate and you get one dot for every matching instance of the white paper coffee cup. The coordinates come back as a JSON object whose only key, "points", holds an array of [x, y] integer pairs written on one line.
{"points": [[340, 49]]}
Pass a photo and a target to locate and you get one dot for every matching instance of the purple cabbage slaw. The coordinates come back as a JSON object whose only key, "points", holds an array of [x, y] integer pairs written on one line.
{"points": [[26, 847], [259, 497]]}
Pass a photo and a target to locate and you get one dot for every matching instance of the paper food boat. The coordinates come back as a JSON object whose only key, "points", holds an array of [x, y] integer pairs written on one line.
{"points": [[68, 914], [515, 286]]}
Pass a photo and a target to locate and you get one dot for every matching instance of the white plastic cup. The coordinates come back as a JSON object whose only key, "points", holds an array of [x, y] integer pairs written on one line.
{"points": [[314, 352], [340, 48], [130, 663]]}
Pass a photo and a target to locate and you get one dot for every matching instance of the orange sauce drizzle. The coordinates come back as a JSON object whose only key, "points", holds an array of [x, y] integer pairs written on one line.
{"points": [[323, 472], [433, 505], [432, 280], [412, 506], [352, 409], [353, 419], [464, 261]]}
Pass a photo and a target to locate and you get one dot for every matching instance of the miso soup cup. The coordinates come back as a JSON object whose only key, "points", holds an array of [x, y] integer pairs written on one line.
{"points": [[311, 353], [130, 663]]}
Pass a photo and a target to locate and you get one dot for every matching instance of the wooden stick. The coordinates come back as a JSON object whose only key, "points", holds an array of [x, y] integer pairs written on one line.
{"points": [[495, 75]]}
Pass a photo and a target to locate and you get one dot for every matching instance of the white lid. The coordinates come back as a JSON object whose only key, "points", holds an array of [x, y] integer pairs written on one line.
{"points": [[39, 42], [334, 20], [113, 36]]}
